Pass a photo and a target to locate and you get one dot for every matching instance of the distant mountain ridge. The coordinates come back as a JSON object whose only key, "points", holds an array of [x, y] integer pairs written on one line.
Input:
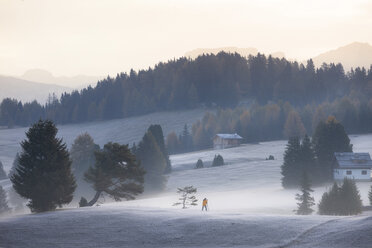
{"points": [[27, 91], [76, 82], [353, 55]]}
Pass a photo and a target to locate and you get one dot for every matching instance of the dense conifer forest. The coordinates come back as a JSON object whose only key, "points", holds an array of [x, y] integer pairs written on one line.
{"points": [[222, 80]]}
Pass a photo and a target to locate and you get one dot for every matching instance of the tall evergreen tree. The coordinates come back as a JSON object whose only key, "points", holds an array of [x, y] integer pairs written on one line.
{"points": [[115, 173], [291, 170], [329, 137], [344, 200], [153, 161], [44, 172], [186, 139], [157, 133], [305, 200]]}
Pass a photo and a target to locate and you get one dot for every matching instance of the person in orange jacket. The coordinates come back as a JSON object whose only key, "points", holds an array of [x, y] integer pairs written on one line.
{"points": [[205, 204]]}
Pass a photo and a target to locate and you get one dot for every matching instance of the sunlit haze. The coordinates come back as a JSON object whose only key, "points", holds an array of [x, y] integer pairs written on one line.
{"points": [[106, 37]]}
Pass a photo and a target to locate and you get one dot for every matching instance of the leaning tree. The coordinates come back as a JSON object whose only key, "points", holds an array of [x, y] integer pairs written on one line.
{"points": [[115, 173], [43, 174]]}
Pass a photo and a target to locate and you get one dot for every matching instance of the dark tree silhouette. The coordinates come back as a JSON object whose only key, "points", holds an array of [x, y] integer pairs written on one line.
{"points": [[43, 174], [115, 173]]}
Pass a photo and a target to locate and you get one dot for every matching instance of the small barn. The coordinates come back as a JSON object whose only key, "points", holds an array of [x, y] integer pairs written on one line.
{"points": [[351, 165], [225, 140]]}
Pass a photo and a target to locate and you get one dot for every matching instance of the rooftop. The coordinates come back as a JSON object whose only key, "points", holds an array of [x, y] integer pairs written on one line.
{"points": [[353, 160], [229, 136]]}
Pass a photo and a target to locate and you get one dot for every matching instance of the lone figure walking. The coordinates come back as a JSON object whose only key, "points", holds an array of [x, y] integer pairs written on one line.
{"points": [[205, 204]]}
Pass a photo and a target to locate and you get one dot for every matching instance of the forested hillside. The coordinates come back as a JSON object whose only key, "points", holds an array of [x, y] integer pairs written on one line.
{"points": [[212, 80]]}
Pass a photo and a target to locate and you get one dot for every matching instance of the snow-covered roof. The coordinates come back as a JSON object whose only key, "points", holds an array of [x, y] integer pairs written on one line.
{"points": [[353, 160], [229, 136]]}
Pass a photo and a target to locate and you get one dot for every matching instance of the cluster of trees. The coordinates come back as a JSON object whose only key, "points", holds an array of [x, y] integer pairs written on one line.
{"points": [[314, 157], [181, 143], [339, 200], [154, 158], [213, 80], [47, 174], [280, 120]]}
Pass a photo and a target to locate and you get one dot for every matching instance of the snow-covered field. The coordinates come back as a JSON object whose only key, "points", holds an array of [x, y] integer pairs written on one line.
{"points": [[248, 208]]}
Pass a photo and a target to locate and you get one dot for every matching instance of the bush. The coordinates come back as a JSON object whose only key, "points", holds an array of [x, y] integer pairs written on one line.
{"points": [[344, 200], [271, 157], [218, 160], [199, 164], [83, 202]]}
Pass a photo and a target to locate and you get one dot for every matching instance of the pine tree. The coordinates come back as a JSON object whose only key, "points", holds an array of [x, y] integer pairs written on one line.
{"points": [[344, 200], [3, 201], [329, 137], [186, 140], [199, 164], [187, 197], [370, 196], [305, 200], [44, 171], [157, 132], [351, 201], [153, 161], [290, 169], [115, 173], [2, 172], [308, 161]]}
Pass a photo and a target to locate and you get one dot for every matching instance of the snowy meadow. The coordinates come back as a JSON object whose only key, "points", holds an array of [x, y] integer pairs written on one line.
{"points": [[247, 205]]}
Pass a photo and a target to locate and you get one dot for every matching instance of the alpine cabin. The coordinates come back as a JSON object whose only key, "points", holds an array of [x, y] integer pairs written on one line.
{"points": [[224, 140], [351, 165]]}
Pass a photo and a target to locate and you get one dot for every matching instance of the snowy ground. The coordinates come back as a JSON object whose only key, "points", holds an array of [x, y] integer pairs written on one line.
{"points": [[248, 208]]}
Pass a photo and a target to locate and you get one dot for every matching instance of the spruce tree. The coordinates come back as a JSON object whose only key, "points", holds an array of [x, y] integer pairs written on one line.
{"points": [[3, 201], [329, 137], [157, 132], [115, 173], [370, 196], [305, 200], [44, 172], [290, 169], [344, 200], [351, 201], [308, 161], [153, 161]]}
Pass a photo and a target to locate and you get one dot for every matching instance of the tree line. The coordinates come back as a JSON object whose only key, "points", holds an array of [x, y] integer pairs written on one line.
{"points": [[272, 121], [221, 80]]}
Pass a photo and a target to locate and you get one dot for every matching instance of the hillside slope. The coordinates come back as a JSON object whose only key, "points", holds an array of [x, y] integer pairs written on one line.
{"points": [[27, 91], [247, 208], [350, 56]]}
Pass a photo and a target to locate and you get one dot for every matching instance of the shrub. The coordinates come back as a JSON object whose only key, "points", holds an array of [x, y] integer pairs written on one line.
{"points": [[218, 160], [199, 164]]}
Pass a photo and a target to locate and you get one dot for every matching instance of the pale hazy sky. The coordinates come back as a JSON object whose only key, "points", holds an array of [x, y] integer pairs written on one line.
{"points": [[100, 37]]}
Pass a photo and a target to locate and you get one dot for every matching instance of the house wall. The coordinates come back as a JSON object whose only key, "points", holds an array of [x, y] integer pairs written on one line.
{"points": [[219, 143], [340, 174]]}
